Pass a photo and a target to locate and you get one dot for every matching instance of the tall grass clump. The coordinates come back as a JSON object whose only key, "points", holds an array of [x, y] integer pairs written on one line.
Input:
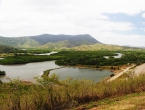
{"points": [[121, 87], [49, 93]]}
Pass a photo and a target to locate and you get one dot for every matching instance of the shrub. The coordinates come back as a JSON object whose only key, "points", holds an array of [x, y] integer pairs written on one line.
{"points": [[52, 94]]}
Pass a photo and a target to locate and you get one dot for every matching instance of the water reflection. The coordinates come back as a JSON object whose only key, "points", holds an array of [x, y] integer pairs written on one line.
{"points": [[28, 71]]}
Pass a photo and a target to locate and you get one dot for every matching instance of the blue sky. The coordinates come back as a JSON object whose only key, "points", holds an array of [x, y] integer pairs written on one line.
{"points": [[137, 20], [118, 22]]}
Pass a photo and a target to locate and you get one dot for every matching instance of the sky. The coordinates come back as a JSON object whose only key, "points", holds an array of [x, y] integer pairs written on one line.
{"points": [[118, 22]]}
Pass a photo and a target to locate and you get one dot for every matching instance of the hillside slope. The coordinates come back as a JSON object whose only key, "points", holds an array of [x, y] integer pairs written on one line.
{"points": [[74, 39], [103, 47], [135, 101], [24, 42], [47, 39], [4, 49]]}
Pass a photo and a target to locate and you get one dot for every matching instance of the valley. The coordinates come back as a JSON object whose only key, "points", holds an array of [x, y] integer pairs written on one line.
{"points": [[84, 68]]}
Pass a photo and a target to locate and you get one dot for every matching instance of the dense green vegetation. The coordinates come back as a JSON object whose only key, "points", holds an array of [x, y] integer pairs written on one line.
{"points": [[7, 49], [23, 59], [84, 57], [97, 58], [53, 94]]}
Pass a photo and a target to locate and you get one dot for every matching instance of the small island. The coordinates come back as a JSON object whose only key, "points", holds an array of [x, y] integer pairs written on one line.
{"points": [[2, 73]]}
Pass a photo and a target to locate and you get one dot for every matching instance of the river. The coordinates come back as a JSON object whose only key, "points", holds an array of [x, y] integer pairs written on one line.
{"points": [[28, 71], [119, 55]]}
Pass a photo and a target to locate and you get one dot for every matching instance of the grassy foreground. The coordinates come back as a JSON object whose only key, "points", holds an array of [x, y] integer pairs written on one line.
{"points": [[134, 101], [53, 94]]}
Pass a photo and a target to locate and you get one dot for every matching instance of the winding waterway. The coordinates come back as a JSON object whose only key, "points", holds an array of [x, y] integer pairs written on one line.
{"points": [[28, 71], [119, 55]]}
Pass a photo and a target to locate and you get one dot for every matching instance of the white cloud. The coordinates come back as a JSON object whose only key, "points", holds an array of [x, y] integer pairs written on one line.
{"points": [[132, 40], [32, 17], [143, 15], [107, 25]]}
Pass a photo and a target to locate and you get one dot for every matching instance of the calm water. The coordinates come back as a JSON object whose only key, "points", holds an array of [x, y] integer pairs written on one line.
{"points": [[119, 55], [29, 71], [47, 53], [76, 73]]}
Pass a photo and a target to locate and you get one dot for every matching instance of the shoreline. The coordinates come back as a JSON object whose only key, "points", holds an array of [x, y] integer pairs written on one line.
{"points": [[115, 70], [120, 73], [46, 72]]}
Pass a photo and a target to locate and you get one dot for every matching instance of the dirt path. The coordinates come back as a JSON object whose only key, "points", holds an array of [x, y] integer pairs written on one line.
{"points": [[123, 104], [139, 69], [119, 74]]}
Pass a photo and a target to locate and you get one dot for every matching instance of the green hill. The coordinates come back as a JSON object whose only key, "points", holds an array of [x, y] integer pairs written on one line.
{"points": [[24, 42], [49, 41], [60, 42], [57, 45], [5, 49], [74, 39], [103, 47]]}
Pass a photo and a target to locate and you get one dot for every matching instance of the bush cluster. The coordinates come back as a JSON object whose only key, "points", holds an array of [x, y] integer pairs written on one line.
{"points": [[53, 94]]}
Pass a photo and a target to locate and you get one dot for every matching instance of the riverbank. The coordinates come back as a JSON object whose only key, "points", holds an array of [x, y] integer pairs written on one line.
{"points": [[46, 72], [114, 69], [65, 95], [131, 71], [120, 73], [87, 73]]}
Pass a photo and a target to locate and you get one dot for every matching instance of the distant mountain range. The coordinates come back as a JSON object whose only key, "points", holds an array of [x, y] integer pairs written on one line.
{"points": [[48, 41], [104, 47], [57, 42]]}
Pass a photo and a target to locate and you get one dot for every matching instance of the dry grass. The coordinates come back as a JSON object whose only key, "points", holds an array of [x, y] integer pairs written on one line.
{"points": [[52, 94], [134, 101], [6, 54]]}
